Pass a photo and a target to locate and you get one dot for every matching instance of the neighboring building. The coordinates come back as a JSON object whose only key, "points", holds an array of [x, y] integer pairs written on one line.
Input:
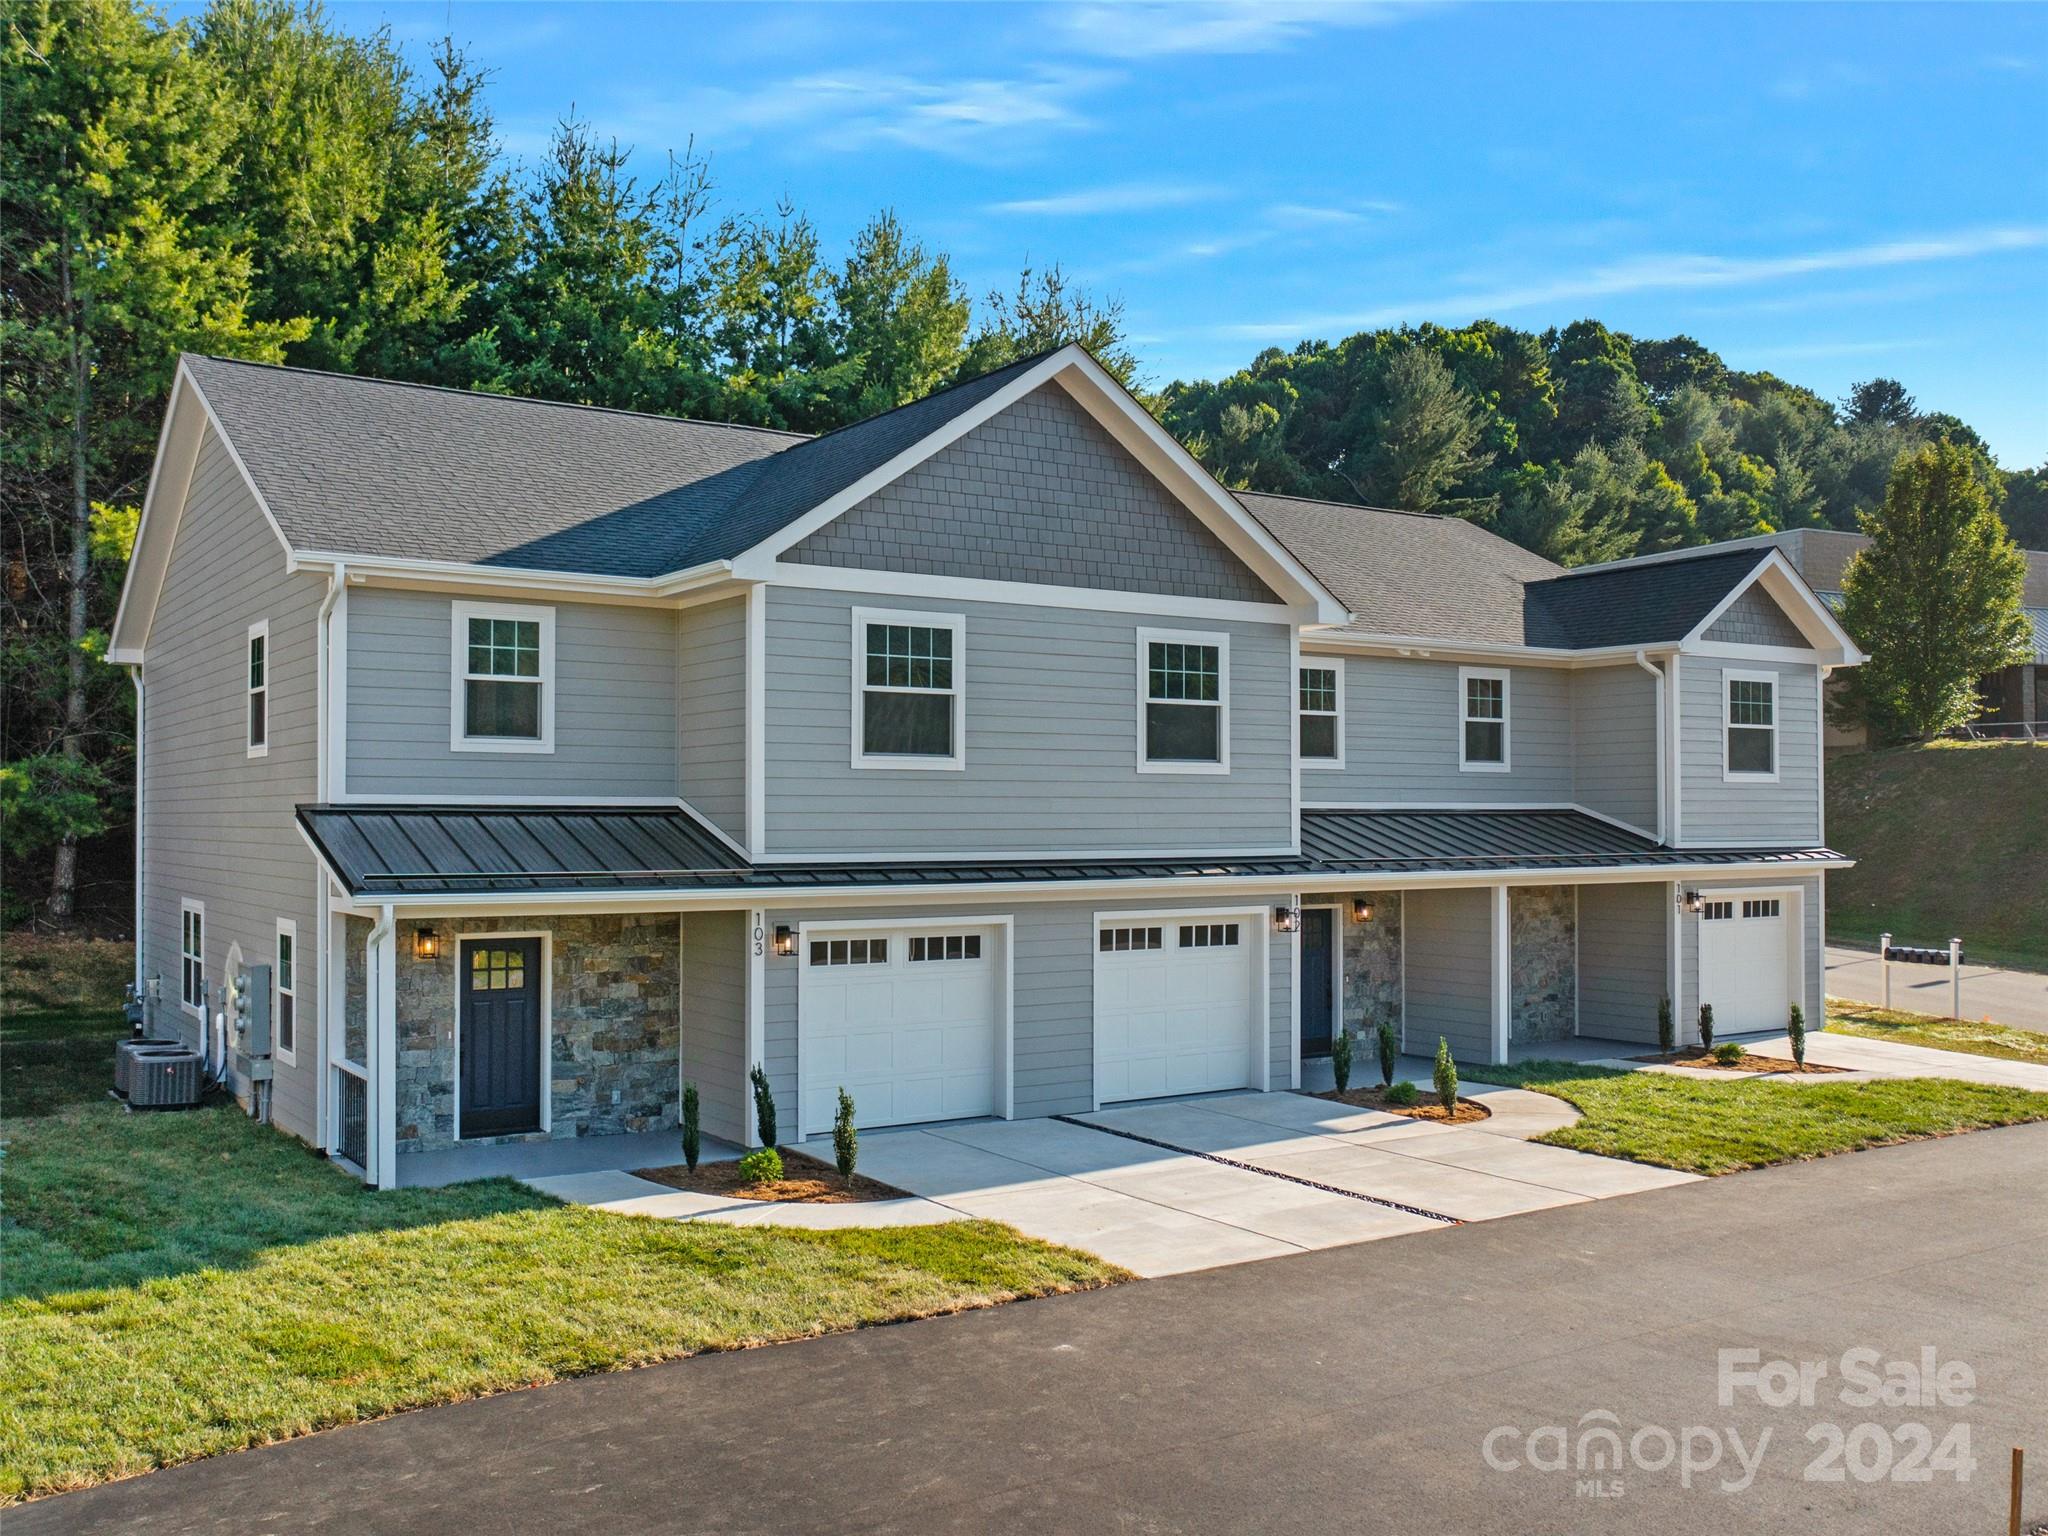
{"points": [[984, 758], [2015, 698]]}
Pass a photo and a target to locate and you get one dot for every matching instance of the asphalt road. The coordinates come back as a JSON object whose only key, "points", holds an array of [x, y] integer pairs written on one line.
{"points": [[1350, 1389], [2018, 998]]}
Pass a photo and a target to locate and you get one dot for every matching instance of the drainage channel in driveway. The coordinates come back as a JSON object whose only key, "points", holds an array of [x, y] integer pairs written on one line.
{"points": [[1269, 1173]]}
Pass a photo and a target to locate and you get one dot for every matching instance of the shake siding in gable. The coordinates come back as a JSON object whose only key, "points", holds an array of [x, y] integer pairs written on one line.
{"points": [[1718, 810], [615, 704], [1403, 720], [1614, 734], [711, 713], [1051, 728], [218, 823], [1756, 619]]}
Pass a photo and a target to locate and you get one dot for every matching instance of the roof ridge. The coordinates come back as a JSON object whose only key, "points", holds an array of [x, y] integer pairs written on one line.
{"points": [[1018, 364], [486, 394], [1758, 553]]}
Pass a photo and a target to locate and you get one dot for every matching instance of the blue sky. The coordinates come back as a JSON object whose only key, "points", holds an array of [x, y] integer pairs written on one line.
{"points": [[1829, 192]]}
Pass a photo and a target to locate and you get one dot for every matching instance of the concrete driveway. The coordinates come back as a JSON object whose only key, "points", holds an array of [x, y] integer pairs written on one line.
{"points": [[1165, 1188]]}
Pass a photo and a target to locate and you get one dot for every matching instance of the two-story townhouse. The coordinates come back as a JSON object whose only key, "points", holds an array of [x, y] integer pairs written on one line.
{"points": [[986, 758]]}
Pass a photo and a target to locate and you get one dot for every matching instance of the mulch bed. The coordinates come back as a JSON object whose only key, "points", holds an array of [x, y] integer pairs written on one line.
{"points": [[1428, 1107], [1692, 1056], [803, 1179]]}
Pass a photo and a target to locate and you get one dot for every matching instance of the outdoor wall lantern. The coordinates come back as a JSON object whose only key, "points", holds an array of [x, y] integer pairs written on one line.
{"points": [[1287, 919], [1690, 901], [426, 944], [785, 940], [1361, 910]]}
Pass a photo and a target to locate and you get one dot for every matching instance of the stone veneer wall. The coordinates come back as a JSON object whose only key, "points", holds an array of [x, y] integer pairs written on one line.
{"points": [[1543, 935], [1372, 958], [355, 995], [614, 1006]]}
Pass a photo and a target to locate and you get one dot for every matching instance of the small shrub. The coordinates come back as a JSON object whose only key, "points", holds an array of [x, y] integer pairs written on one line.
{"points": [[1795, 1031], [1340, 1059], [1390, 1050], [764, 1106], [1727, 1053], [1446, 1075], [693, 1127], [1706, 1026], [1403, 1093], [763, 1165], [1667, 1032], [845, 1139]]}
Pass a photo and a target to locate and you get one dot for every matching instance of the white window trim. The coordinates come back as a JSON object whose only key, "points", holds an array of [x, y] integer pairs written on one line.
{"points": [[1507, 711], [186, 907], [1221, 640], [1321, 664], [1730, 775], [286, 929], [259, 630], [956, 624], [460, 613]]}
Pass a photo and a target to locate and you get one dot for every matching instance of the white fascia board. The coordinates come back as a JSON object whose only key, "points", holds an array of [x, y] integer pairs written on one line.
{"points": [[970, 589], [1437, 648], [388, 570], [1777, 576]]}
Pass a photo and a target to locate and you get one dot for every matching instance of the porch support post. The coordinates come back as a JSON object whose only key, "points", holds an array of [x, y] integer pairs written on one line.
{"points": [[382, 1048], [1503, 973], [757, 1033]]}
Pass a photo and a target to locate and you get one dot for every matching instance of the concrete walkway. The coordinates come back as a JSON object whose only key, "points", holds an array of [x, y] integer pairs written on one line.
{"points": [[2018, 998], [1860, 1060]]}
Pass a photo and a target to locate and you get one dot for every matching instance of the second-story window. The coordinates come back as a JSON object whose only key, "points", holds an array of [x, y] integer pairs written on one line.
{"points": [[1751, 726], [1483, 722], [1321, 716], [504, 678], [257, 679], [908, 698], [1184, 688]]}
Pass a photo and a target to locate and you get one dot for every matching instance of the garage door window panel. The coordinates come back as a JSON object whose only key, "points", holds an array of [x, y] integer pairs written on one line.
{"points": [[1184, 699], [908, 697]]}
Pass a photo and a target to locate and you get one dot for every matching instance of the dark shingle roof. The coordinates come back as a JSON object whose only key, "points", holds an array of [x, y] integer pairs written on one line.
{"points": [[368, 467], [1408, 573], [399, 850], [1645, 603]]}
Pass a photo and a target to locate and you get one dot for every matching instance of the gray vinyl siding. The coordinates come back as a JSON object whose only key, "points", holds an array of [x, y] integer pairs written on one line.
{"points": [[1051, 729], [1715, 810], [1053, 975], [711, 713], [615, 704], [1614, 744], [1756, 619], [1812, 897], [1403, 721], [1623, 966], [1448, 971], [1042, 493], [218, 823], [714, 1026]]}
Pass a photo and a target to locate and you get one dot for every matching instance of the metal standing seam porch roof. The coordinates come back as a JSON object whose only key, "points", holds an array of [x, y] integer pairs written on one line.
{"points": [[402, 850]]}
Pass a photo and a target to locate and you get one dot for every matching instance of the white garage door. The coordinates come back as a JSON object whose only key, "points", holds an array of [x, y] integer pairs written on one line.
{"points": [[1173, 1007], [904, 1019], [1745, 962]]}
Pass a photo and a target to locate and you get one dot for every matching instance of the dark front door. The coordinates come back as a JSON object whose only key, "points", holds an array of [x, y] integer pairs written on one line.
{"points": [[500, 1036], [1318, 1007]]}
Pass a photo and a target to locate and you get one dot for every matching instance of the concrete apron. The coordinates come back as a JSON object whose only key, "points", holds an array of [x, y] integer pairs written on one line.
{"points": [[1192, 1184]]}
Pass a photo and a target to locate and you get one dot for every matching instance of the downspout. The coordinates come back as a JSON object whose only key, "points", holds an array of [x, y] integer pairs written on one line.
{"points": [[337, 583], [135, 677], [1663, 815], [323, 941]]}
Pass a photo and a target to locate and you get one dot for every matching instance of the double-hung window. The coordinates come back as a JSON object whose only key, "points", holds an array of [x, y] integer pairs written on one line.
{"points": [[1750, 725], [1184, 697], [504, 680], [284, 977], [192, 957], [1483, 719], [908, 698], [257, 681], [1320, 716]]}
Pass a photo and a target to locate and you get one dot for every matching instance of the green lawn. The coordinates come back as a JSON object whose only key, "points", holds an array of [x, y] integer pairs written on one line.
{"points": [[1980, 1039], [1723, 1127], [178, 1285]]}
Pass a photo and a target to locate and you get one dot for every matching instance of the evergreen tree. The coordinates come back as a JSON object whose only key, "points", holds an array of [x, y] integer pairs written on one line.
{"points": [[1417, 445], [1934, 599]]}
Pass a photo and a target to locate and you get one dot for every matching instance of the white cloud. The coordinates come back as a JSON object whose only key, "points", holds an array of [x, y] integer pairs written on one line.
{"points": [[1652, 274], [1309, 215], [1123, 198], [1147, 31]]}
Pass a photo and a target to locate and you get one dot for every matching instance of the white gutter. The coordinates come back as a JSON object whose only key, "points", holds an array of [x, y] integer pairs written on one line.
{"points": [[464, 573], [337, 583], [1663, 790], [1438, 647]]}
